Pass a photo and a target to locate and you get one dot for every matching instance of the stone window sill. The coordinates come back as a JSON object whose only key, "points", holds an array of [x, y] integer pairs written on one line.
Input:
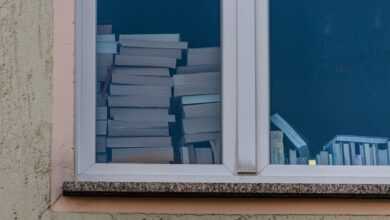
{"points": [[374, 191]]}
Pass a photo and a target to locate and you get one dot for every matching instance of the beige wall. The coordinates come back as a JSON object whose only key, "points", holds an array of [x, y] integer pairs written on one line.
{"points": [[33, 126]]}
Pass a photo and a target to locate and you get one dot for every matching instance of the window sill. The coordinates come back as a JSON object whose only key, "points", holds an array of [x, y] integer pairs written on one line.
{"points": [[78, 188]]}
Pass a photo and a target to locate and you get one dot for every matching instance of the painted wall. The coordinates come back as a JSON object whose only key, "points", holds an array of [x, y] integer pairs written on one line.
{"points": [[34, 125]]}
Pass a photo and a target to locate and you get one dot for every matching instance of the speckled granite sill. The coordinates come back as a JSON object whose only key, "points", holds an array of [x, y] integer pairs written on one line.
{"points": [[225, 190]]}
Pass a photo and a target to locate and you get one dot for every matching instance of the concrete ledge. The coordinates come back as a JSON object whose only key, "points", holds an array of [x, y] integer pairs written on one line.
{"points": [[225, 189]]}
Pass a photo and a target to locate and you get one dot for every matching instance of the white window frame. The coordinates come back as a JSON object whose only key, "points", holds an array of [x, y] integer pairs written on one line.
{"points": [[245, 115]]}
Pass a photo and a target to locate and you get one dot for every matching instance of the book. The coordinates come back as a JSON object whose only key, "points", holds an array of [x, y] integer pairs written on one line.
{"points": [[204, 56], [101, 128], [202, 110], [104, 60], [128, 129], [292, 155], [141, 71], [374, 154], [158, 155], [216, 148], [105, 38], [133, 142], [197, 78], [362, 153], [101, 113], [211, 88], [324, 158], [201, 125], [198, 69], [139, 124], [185, 155], [200, 99], [141, 80], [382, 157], [145, 61], [147, 101], [291, 134], [203, 155], [104, 29], [101, 158], [140, 114], [277, 147], [367, 154], [356, 157], [101, 144], [151, 37], [151, 52], [201, 137], [360, 139], [101, 100], [347, 149], [153, 44], [337, 153], [104, 47], [102, 73], [140, 90]]}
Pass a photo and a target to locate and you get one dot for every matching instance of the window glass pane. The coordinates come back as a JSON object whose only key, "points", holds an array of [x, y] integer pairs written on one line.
{"points": [[158, 82], [330, 82]]}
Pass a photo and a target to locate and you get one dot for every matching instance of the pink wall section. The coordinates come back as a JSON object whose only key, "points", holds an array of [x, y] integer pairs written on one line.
{"points": [[63, 96]]}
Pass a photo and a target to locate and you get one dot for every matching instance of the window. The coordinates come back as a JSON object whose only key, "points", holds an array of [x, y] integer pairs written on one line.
{"points": [[232, 91]]}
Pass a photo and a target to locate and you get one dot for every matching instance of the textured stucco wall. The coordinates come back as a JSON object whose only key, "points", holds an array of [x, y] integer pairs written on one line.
{"points": [[25, 98], [26, 71]]}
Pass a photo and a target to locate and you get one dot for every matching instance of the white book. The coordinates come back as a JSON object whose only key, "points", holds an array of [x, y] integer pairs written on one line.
{"points": [[374, 153], [101, 144], [106, 47], [141, 71], [197, 78], [362, 154], [367, 154], [185, 155], [101, 158], [140, 90], [291, 134], [216, 147], [139, 101], [140, 114], [337, 153], [198, 69], [277, 147], [104, 29], [202, 110], [204, 56], [201, 125], [360, 139], [101, 113], [131, 142], [126, 129], [151, 52], [105, 37], [200, 99], [141, 80], [104, 60], [382, 157], [101, 128], [153, 44], [292, 155], [201, 137], [203, 155], [324, 158], [151, 37], [212, 88], [156, 155], [347, 149], [144, 61]]}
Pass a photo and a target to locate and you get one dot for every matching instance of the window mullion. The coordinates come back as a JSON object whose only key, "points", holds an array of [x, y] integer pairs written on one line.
{"points": [[246, 71]]}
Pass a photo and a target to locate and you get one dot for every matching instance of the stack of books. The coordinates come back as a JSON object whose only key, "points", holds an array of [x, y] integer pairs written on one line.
{"points": [[350, 150], [197, 92], [106, 48], [139, 99]]}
